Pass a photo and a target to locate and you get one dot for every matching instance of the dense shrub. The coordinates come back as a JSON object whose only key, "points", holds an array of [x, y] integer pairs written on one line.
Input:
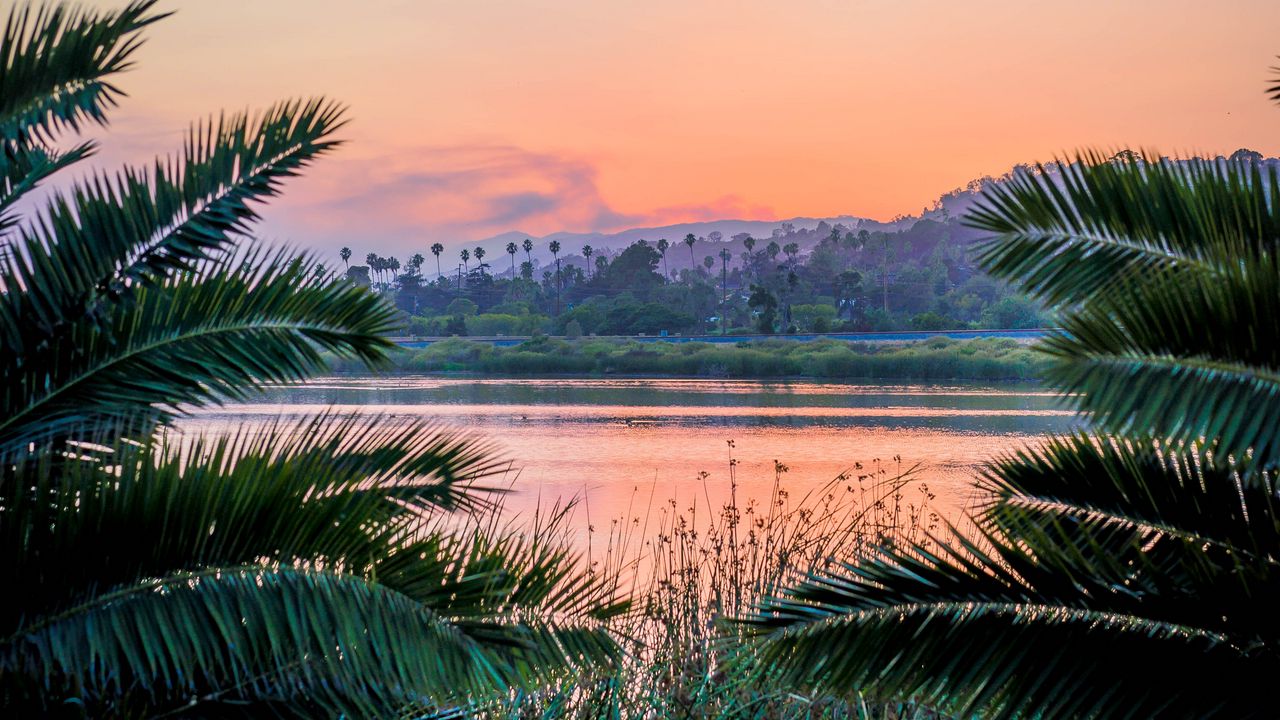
{"points": [[934, 359]]}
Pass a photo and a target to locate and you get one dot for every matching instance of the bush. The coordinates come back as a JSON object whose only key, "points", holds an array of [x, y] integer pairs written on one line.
{"points": [[461, 306], [937, 358]]}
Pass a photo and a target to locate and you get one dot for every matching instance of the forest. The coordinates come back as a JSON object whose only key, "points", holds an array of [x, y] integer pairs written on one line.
{"points": [[914, 273]]}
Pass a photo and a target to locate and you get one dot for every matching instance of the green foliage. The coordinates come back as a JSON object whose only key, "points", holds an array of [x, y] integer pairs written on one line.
{"points": [[699, 563], [1152, 548], [810, 318], [937, 359], [462, 306], [647, 318], [307, 569]]}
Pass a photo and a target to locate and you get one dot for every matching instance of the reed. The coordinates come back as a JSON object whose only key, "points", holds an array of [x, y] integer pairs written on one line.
{"points": [[691, 565]]}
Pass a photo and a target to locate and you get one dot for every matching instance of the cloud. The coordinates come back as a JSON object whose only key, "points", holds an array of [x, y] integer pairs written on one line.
{"points": [[462, 193]]}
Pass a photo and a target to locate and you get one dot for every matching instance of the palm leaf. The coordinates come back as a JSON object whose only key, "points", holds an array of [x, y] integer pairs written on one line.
{"points": [[56, 66], [1183, 359], [968, 635], [113, 233], [348, 490], [1073, 230], [196, 340], [22, 170], [314, 639]]}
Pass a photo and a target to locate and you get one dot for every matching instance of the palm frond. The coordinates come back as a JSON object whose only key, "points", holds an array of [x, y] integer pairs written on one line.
{"points": [[197, 340], [21, 171], [965, 633], [1071, 231], [111, 234], [1100, 480], [1273, 91], [314, 640], [345, 491], [56, 63], [1160, 363]]}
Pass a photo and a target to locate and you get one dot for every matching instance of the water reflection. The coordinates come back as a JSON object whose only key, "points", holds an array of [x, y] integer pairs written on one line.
{"points": [[610, 440]]}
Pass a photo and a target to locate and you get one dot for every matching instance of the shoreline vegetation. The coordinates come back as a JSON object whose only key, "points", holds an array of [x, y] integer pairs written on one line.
{"points": [[939, 358]]}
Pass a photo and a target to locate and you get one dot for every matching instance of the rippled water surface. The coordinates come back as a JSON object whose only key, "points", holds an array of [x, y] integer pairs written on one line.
{"points": [[617, 443]]}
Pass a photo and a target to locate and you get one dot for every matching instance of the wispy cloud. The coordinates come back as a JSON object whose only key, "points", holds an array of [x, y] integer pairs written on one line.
{"points": [[464, 193]]}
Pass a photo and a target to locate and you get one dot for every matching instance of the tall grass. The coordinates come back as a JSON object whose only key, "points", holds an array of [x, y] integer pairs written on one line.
{"points": [[939, 358], [691, 566]]}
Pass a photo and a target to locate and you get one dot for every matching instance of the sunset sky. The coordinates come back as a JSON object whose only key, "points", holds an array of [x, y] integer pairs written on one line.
{"points": [[472, 118]]}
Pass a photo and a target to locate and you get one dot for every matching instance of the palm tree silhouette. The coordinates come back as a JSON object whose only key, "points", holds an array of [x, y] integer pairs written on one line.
{"points": [[587, 252], [555, 252], [394, 266], [528, 248], [792, 250], [480, 259], [345, 254], [511, 250], [436, 249], [663, 244], [690, 240], [465, 255]]}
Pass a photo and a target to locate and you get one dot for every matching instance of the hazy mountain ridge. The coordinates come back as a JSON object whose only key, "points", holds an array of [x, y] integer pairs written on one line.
{"points": [[804, 231]]}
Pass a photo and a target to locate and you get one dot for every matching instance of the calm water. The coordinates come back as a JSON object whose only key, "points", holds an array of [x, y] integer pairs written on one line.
{"points": [[618, 442]]}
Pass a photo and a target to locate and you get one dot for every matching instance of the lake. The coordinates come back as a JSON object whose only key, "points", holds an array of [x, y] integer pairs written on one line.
{"points": [[623, 444]]}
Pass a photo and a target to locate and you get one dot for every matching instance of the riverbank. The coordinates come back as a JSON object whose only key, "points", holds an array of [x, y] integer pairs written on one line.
{"points": [[940, 358]]}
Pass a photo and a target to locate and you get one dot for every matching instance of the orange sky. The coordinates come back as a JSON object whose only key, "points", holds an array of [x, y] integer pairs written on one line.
{"points": [[471, 118]]}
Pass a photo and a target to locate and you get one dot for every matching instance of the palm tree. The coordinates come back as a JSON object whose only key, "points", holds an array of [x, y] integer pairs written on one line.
{"points": [[345, 254], [708, 262], [792, 250], [528, 249], [1150, 542], [555, 252], [415, 262], [690, 240], [436, 249], [480, 259], [302, 568], [511, 250], [663, 245], [772, 250], [587, 252], [749, 243], [465, 255], [393, 265]]}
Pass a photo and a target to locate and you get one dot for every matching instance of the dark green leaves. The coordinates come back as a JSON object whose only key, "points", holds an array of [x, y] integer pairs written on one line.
{"points": [[1168, 281], [1132, 574], [56, 63], [195, 340], [307, 569], [1093, 558]]}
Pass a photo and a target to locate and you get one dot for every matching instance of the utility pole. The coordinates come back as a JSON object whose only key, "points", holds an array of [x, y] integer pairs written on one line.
{"points": [[885, 275], [724, 291]]}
